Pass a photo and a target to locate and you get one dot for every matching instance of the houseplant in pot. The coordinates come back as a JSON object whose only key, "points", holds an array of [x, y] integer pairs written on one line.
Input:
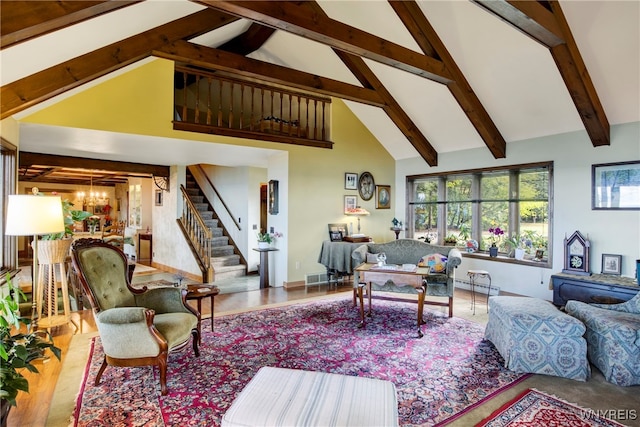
{"points": [[19, 349]]}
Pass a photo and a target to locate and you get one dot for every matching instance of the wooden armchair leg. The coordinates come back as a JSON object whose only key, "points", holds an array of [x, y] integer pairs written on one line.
{"points": [[450, 306], [101, 370], [195, 334], [162, 366]]}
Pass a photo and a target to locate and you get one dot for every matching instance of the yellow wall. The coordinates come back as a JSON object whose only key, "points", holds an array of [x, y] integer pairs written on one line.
{"points": [[141, 102]]}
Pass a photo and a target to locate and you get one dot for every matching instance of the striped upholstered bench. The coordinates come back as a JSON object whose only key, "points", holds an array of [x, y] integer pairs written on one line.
{"points": [[291, 397]]}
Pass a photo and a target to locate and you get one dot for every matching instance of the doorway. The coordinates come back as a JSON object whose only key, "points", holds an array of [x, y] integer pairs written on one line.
{"points": [[263, 207]]}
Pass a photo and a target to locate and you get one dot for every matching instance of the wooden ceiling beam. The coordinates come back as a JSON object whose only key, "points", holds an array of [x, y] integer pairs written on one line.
{"points": [[28, 159], [216, 59], [425, 35], [293, 17], [38, 87], [545, 22], [23, 20]]}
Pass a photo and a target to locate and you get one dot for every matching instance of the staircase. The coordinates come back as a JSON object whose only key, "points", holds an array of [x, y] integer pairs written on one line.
{"points": [[225, 259]]}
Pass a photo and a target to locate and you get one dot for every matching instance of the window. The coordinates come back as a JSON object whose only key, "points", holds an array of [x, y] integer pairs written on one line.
{"points": [[463, 205]]}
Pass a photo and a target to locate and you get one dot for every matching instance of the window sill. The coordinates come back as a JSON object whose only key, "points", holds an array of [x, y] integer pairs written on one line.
{"points": [[502, 258]]}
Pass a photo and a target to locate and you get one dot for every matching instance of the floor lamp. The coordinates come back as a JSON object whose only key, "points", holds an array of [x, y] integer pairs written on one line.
{"points": [[29, 215]]}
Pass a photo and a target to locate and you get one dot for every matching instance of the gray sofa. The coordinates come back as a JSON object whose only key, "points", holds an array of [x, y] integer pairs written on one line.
{"points": [[410, 251]]}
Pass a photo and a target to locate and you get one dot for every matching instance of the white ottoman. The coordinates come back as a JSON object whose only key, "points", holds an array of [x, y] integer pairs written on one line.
{"points": [[291, 397]]}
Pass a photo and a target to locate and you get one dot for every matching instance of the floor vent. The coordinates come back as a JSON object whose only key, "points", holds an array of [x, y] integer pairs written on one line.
{"points": [[315, 278]]}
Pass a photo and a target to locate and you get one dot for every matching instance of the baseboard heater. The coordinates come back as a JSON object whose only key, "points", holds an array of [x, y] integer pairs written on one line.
{"points": [[479, 287]]}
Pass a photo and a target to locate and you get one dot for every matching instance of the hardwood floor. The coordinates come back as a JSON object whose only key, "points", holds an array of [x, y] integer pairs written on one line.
{"points": [[32, 408]]}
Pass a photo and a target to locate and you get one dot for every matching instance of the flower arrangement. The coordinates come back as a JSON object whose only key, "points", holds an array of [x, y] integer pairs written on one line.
{"points": [[269, 237], [495, 235], [93, 220]]}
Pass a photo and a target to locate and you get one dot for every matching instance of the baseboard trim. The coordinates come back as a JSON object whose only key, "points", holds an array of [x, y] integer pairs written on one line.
{"points": [[292, 285]]}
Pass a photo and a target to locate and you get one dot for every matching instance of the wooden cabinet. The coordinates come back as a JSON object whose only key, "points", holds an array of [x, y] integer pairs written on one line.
{"points": [[597, 288]]}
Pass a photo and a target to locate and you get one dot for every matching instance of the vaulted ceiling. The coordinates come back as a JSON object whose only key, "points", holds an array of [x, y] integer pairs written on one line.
{"points": [[425, 77]]}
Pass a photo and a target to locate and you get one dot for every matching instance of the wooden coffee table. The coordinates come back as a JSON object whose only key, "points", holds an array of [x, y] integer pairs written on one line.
{"points": [[370, 273], [199, 291]]}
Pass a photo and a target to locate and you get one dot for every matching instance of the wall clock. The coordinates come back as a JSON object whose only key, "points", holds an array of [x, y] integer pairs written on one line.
{"points": [[366, 186], [576, 255]]}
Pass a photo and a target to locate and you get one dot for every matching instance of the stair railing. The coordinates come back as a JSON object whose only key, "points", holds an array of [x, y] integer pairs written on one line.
{"points": [[198, 233]]}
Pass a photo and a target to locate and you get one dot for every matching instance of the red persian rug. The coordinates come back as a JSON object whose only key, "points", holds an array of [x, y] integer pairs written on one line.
{"points": [[534, 408], [438, 378]]}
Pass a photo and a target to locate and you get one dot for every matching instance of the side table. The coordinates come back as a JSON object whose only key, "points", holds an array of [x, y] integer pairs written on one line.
{"points": [[264, 265], [199, 291], [473, 276]]}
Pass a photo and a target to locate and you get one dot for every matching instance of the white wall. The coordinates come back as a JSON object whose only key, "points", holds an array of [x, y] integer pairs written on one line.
{"points": [[611, 232]]}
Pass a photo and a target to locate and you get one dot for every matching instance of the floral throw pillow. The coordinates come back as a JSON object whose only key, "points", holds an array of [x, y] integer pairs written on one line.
{"points": [[437, 263]]}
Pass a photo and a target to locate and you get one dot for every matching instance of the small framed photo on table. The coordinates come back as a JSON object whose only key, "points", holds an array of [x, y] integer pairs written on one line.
{"points": [[611, 264]]}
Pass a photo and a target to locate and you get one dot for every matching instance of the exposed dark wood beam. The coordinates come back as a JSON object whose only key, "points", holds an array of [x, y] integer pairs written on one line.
{"points": [[295, 18], [38, 87], [23, 20], [215, 59], [545, 22], [425, 35], [249, 41], [27, 159]]}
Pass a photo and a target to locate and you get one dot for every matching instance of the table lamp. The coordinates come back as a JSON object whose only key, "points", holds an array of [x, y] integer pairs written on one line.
{"points": [[29, 215], [358, 212]]}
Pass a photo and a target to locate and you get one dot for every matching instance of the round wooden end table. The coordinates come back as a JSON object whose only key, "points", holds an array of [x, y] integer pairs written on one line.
{"points": [[199, 291]]}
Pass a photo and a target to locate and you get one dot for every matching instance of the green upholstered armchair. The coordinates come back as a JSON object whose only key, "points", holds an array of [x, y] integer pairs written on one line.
{"points": [[138, 327]]}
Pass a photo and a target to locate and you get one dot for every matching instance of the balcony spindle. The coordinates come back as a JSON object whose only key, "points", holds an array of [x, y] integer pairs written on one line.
{"points": [[231, 86], [197, 119], [209, 101]]}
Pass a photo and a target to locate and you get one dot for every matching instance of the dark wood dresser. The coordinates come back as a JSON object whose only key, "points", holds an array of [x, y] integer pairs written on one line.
{"points": [[597, 288]]}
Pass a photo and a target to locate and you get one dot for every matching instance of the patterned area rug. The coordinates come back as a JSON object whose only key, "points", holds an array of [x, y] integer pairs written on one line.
{"points": [[438, 378], [534, 408]]}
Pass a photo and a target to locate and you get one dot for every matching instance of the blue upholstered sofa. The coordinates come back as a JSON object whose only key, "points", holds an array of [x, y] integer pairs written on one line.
{"points": [[613, 338], [410, 251]]}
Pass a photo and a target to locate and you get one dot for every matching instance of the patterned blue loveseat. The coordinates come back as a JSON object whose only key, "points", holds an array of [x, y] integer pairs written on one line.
{"points": [[613, 338]]}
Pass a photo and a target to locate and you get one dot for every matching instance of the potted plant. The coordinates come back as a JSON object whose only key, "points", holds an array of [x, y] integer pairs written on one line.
{"points": [[19, 349], [517, 243], [450, 240], [495, 235], [266, 239]]}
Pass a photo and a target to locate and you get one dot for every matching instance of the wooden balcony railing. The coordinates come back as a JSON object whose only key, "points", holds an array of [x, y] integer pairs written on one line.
{"points": [[211, 103]]}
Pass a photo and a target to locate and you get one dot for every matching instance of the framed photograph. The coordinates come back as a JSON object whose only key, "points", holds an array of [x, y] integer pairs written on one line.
{"points": [[350, 202], [611, 264], [158, 198], [338, 231], [350, 181], [383, 196], [99, 209], [615, 186]]}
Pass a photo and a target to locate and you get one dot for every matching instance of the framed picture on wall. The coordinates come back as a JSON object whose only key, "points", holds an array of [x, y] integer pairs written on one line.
{"points": [[158, 198], [383, 196], [273, 197], [615, 186], [350, 202], [350, 181]]}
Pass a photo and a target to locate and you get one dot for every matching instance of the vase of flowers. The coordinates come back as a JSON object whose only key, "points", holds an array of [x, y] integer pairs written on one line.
{"points": [[92, 223], [495, 235]]}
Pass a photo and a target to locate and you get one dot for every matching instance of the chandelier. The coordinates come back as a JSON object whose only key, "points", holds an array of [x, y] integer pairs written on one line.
{"points": [[92, 198]]}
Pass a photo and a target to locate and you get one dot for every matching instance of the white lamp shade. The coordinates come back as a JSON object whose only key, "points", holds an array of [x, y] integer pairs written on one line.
{"points": [[34, 215]]}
